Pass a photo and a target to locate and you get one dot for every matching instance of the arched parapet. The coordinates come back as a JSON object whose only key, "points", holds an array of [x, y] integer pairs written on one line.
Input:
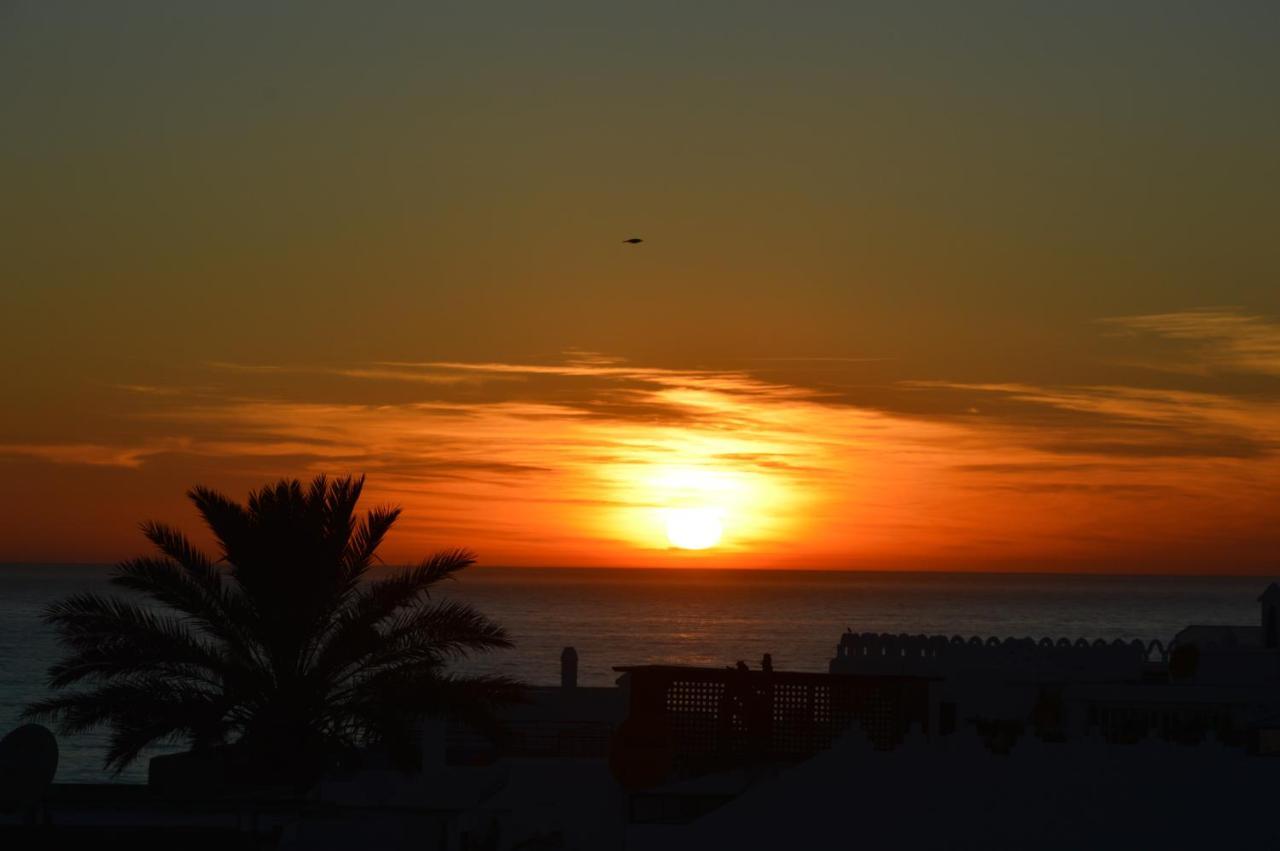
{"points": [[933, 654], [1157, 652]]}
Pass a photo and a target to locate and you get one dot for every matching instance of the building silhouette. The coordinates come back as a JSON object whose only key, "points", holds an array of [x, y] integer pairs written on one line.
{"points": [[907, 741]]}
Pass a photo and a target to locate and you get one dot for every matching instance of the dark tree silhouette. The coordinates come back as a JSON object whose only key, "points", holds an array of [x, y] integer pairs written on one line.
{"points": [[282, 646]]}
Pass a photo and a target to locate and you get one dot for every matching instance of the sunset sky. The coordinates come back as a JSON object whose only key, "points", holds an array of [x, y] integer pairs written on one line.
{"points": [[924, 286]]}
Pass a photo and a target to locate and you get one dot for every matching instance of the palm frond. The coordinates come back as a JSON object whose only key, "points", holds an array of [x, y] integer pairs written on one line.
{"points": [[86, 620], [141, 711], [207, 602], [406, 585], [451, 627], [227, 520], [365, 540], [110, 637], [354, 632], [170, 715], [177, 547]]}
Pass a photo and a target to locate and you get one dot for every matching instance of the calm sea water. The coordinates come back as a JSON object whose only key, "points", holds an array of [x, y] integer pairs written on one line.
{"points": [[693, 617]]}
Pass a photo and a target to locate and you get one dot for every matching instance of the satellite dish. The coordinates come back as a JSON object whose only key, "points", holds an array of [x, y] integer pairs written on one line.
{"points": [[28, 761]]}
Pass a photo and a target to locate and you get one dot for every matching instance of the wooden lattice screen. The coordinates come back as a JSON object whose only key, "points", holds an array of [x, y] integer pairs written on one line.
{"points": [[728, 715]]}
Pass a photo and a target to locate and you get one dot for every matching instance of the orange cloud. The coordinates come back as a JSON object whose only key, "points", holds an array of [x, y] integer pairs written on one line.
{"points": [[583, 461]]}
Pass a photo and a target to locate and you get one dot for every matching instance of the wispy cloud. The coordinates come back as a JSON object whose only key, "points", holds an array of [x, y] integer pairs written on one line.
{"points": [[1222, 339], [149, 389], [575, 460], [229, 366], [390, 372], [92, 454], [1118, 422]]}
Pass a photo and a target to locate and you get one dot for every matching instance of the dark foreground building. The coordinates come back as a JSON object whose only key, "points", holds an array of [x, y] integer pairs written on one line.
{"points": [[908, 741]]}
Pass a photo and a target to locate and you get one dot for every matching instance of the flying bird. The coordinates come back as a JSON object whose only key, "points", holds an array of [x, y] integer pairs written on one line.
{"points": [[635, 240]]}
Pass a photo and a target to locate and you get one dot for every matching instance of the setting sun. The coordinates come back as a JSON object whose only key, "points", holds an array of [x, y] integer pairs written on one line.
{"points": [[694, 528]]}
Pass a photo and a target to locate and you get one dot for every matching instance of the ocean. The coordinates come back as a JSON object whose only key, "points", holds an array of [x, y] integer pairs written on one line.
{"points": [[690, 617]]}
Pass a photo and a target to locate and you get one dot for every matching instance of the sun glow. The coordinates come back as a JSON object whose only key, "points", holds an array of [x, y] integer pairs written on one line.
{"points": [[716, 496], [694, 528], [697, 502]]}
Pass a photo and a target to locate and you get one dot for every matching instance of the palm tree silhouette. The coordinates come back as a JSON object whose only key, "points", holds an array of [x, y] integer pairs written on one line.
{"points": [[283, 646]]}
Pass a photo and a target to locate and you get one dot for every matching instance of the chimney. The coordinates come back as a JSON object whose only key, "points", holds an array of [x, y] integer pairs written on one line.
{"points": [[766, 664], [569, 668]]}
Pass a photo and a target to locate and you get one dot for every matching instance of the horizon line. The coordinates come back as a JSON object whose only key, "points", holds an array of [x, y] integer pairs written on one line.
{"points": [[5, 565]]}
